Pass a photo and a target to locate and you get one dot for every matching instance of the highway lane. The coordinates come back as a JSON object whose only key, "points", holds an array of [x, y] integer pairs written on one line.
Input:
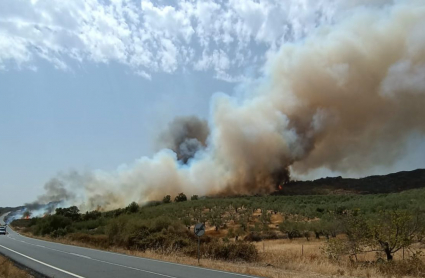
{"points": [[59, 260]]}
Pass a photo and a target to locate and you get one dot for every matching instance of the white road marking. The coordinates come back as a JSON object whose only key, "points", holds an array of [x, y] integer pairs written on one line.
{"points": [[40, 262], [134, 257], [100, 261], [140, 258], [133, 268], [82, 256]]}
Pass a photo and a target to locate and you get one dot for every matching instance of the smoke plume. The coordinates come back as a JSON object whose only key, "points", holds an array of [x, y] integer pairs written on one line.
{"points": [[185, 136], [346, 98]]}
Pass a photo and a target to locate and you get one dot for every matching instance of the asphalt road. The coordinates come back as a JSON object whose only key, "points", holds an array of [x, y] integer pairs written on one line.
{"points": [[59, 260]]}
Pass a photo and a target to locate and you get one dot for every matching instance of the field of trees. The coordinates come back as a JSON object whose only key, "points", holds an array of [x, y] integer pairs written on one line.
{"points": [[380, 234]]}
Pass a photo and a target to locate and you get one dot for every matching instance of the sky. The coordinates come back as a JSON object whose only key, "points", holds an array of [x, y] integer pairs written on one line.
{"points": [[90, 84]]}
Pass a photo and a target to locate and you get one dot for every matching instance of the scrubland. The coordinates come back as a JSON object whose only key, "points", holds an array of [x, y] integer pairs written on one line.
{"points": [[270, 236]]}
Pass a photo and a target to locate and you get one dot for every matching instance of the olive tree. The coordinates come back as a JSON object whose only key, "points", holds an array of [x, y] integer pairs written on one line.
{"points": [[391, 231]]}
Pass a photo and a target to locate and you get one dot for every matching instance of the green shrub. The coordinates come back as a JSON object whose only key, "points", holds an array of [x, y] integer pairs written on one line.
{"points": [[253, 237], [92, 215], [58, 233], [180, 198], [132, 208], [101, 241], [233, 251], [166, 199], [49, 224]]}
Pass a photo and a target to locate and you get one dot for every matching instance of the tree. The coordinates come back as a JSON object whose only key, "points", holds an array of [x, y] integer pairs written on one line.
{"points": [[265, 218], [290, 228], [52, 223], [132, 208], [92, 215], [166, 199], [194, 198], [330, 225], [187, 221], [215, 218], [305, 228], [316, 227], [236, 205], [180, 198], [387, 232], [394, 230], [72, 212]]}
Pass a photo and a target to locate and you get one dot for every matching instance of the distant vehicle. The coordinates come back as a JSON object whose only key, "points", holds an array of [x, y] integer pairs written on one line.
{"points": [[2, 230]]}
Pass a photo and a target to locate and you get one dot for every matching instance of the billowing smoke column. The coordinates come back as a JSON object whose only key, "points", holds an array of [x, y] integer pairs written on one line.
{"points": [[185, 136], [345, 98]]}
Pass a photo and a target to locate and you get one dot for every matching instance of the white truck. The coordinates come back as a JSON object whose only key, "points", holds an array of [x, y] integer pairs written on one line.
{"points": [[2, 230]]}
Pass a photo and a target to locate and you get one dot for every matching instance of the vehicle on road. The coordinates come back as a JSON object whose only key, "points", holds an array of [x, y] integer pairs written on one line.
{"points": [[2, 230]]}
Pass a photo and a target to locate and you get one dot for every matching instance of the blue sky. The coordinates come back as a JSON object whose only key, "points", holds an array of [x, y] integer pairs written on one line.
{"points": [[95, 118], [89, 84]]}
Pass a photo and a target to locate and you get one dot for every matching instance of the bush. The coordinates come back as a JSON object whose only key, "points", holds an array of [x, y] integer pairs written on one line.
{"points": [[233, 251], [413, 266], [180, 198], [49, 224], [92, 215], [101, 241], [89, 225], [270, 235], [134, 233], [132, 208], [166, 199], [58, 233], [23, 223], [71, 212], [253, 237], [166, 235]]}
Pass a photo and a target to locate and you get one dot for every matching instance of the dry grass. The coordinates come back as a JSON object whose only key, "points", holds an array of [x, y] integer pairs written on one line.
{"points": [[301, 256], [261, 268], [278, 259], [9, 270]]}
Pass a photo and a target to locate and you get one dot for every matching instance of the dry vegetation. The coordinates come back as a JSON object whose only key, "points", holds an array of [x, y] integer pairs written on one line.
{"points": [[265, 236], [282, 258], [9, 270]]}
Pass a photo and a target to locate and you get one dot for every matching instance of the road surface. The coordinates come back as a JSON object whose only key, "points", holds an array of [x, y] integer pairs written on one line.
{"points": [[59, 260]]}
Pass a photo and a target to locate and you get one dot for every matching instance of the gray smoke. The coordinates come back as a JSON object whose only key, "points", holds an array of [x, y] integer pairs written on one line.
{"points": [[346, 98], [185, 136], [55, 191]]}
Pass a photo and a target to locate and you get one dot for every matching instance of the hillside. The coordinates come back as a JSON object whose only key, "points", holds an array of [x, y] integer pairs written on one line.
{"points": [[391, 183]]}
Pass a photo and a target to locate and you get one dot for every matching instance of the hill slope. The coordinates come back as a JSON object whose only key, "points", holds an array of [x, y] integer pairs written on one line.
{"points": [[395, 182]]}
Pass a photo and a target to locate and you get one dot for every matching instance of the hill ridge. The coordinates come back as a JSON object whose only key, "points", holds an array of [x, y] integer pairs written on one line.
{"points": [[389, 183]]}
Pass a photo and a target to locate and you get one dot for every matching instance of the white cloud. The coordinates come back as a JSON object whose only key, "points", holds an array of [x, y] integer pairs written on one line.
{"points": [[144, 74], [150, 36], [166, 21], [218, 60], [13, 48]]}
